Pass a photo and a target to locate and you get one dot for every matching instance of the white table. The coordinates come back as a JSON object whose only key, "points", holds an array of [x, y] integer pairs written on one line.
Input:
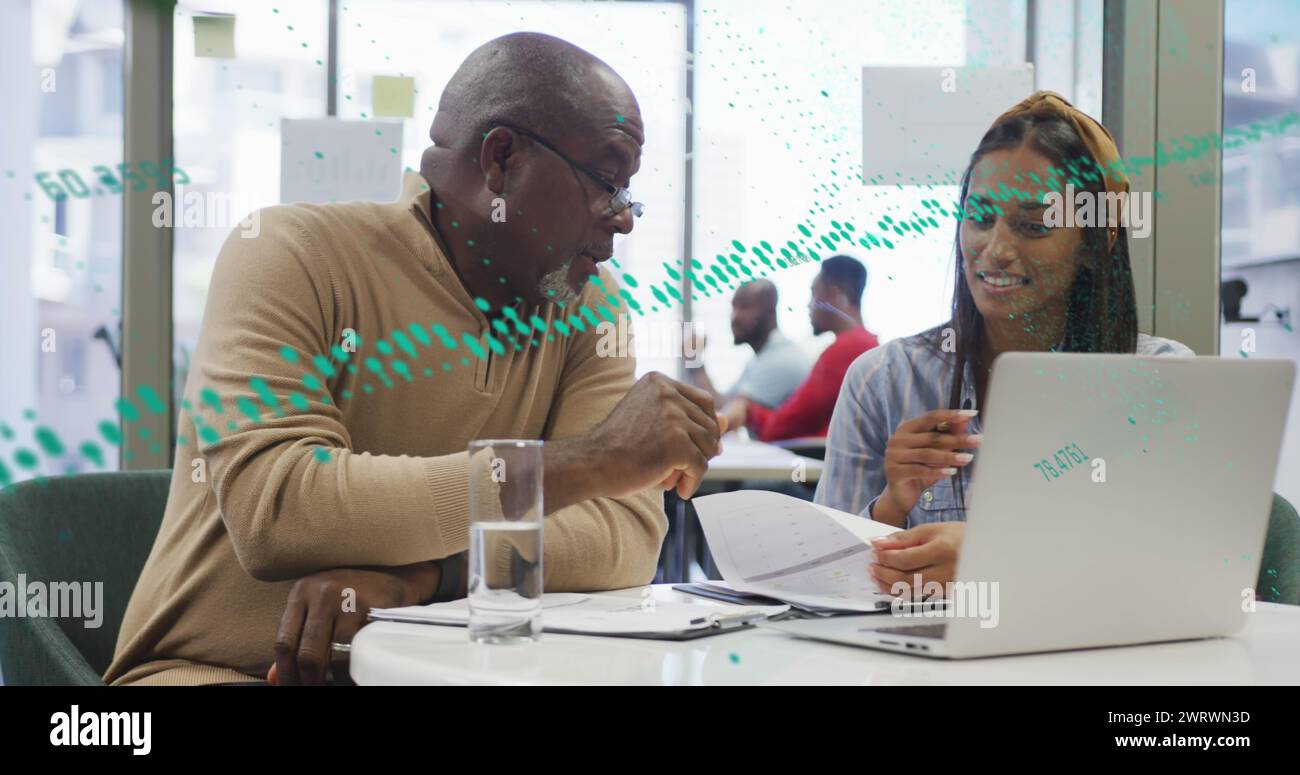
{"points": [[749, 460], [811, 443], [1265, 652]]}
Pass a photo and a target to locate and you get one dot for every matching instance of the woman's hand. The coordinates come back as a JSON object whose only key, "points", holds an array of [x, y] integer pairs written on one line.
{"points": [[921, 452], [930, 550]]}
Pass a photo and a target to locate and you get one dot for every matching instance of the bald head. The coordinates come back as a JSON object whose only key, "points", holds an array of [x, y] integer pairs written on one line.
{"points": [[528, 79], [753, 312], [532, 139], [763, 292]]}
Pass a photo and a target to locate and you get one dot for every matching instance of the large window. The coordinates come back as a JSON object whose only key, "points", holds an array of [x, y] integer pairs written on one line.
{"points": [[777, 119], [779, 122], [1261, 198], [61, 216], [227, 118]]}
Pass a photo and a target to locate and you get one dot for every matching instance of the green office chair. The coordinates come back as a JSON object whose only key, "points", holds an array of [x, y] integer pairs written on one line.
{"points": [[92, 527], [1279, 567]]}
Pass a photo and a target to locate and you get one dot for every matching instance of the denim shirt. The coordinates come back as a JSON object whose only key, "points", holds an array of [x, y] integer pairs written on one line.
{"points": [[900, 380]]}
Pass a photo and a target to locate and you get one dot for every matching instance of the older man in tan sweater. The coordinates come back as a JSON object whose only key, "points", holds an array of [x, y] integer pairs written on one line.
{"points": [[366, 486]]}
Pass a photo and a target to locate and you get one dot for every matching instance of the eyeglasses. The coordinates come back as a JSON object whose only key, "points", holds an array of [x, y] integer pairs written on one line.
{"points": [[620, 198]]}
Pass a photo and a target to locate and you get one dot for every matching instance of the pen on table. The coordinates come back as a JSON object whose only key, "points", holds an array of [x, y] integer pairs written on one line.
{"points": [[717, 620]]}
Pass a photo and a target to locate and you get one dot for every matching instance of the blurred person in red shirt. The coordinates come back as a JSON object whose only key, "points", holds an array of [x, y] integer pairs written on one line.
{"points": [[836, 306]]}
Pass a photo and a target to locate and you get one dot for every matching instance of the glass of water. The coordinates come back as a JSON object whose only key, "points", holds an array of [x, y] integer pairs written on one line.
{"points": [[505, 541]]}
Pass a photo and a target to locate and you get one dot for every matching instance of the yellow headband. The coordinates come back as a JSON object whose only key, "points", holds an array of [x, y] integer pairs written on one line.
{"points": [[1096, 138]]}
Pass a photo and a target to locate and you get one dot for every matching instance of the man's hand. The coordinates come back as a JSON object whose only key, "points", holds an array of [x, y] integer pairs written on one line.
{"points": [[662, 433], [314, 617], [930, 550]]}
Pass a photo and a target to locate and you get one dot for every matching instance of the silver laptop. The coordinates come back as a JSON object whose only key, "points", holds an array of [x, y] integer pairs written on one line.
{"points": [[1117, 500]]}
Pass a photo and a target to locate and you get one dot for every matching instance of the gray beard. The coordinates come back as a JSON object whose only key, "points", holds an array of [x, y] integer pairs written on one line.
{"points": [[557, 281]]}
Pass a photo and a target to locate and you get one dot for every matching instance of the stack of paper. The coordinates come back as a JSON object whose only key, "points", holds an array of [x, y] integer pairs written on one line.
{"points": [[601, 615], [721, 590], [801, 553]]}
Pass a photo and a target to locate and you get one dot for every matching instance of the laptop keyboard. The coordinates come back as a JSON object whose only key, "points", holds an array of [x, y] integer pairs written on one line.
{"points": [[916, 630]]}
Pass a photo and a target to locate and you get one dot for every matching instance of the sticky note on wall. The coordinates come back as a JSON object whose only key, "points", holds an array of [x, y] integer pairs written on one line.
{"points": [[214, 36], [393, 95]]}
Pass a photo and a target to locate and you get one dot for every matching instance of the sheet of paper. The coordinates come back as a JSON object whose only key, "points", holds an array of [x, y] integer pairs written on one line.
{"points": [[725, 588], [783, 547], [920, 124], [392, 95], [214, 36], [865, 529], [334, 160]]}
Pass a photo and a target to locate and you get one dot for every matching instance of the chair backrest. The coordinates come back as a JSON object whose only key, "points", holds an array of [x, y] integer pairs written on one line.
{"points": [[86, 528], [1279, 568]]}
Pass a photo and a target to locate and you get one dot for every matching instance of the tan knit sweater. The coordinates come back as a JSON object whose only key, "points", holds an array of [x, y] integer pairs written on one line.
{"points": [[394, 489]]}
